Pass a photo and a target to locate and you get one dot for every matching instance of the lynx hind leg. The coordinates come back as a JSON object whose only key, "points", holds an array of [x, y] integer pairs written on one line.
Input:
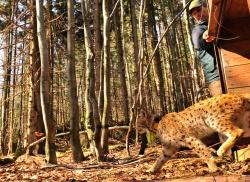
{"points": [[202, 151], [167, 152]]}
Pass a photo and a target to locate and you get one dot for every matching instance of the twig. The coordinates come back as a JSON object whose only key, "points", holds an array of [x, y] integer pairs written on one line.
{"points": [[67, 133], [118, 128], [111, 14], [146, 71], [166, 30], [105, 166]]}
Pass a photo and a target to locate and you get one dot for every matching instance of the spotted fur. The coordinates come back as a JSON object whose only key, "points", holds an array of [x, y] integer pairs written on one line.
{"points": [[227, 114]]}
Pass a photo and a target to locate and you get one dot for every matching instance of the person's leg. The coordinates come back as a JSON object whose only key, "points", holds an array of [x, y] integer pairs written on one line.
{"points": [[215, 88]]}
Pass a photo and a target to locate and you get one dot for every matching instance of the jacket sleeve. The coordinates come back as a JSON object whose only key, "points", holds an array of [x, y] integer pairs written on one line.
{"points": [[198, 41]]}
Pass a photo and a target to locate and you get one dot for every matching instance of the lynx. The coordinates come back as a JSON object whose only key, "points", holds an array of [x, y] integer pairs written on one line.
{"points": [[227, 114]]}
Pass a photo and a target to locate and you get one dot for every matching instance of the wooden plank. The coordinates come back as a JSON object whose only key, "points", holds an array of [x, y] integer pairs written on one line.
{"points": [[241, 90], [234, 53], [230, 58], [237, 76]]}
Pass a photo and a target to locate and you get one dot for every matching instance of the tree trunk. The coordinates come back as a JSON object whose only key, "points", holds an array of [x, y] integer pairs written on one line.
{"points": [[6, 90], [188, 31], [49, 123], [35, 121], [72, 86], [121, 66], [157, 59], [176, 81], [137, 97], [191, 50], [97, 43], [12, 118], [92, 119], [106, 115], [51, 48], [135, 38]]}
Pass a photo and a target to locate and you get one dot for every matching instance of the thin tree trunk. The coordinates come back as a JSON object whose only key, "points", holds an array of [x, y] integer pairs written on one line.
{"points": [[92, 119], [192, 52], [180, 65], [97, 43], [51, 49], [176, 82], [21, 124], [188, 31], [49, 123], [135, 37], [12, 118], [121, 66], [6, 93], [157, 60], [187, 71], [137, 101], [106, 116], [72, 86], [35, 121]]}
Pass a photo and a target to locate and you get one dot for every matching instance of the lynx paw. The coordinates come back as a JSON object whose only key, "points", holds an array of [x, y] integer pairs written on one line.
{"points": [[151, 171], [212, 167]]}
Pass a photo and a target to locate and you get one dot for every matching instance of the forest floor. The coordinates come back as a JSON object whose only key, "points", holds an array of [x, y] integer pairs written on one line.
{"points": [[183, 167]]}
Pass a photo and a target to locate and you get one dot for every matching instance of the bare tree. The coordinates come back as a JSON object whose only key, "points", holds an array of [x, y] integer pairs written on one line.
{"points": [[72, 86], [137, 97], [49, 123], [8, 34], [157, 59], [121, 66], [106, 115], [92, 120], [97, 42], [135, 38], [35, 120]]}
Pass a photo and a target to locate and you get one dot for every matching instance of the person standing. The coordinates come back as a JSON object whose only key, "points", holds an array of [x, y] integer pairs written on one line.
{"points": [[203, 44]]}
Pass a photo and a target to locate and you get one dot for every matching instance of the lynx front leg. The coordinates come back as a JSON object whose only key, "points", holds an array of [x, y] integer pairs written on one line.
{"points": [[224, 125], [167, 152], [232, 135], [203, 152]]}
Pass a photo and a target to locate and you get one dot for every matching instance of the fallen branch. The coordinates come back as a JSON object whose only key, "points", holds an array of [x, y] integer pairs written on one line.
{"points": [[81, 132], [118, 128], [4, 161], [105, 166], [67, 133]]}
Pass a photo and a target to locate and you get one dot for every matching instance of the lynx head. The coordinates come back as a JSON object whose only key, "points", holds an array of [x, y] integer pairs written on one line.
{"points": [[146, 122]]}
